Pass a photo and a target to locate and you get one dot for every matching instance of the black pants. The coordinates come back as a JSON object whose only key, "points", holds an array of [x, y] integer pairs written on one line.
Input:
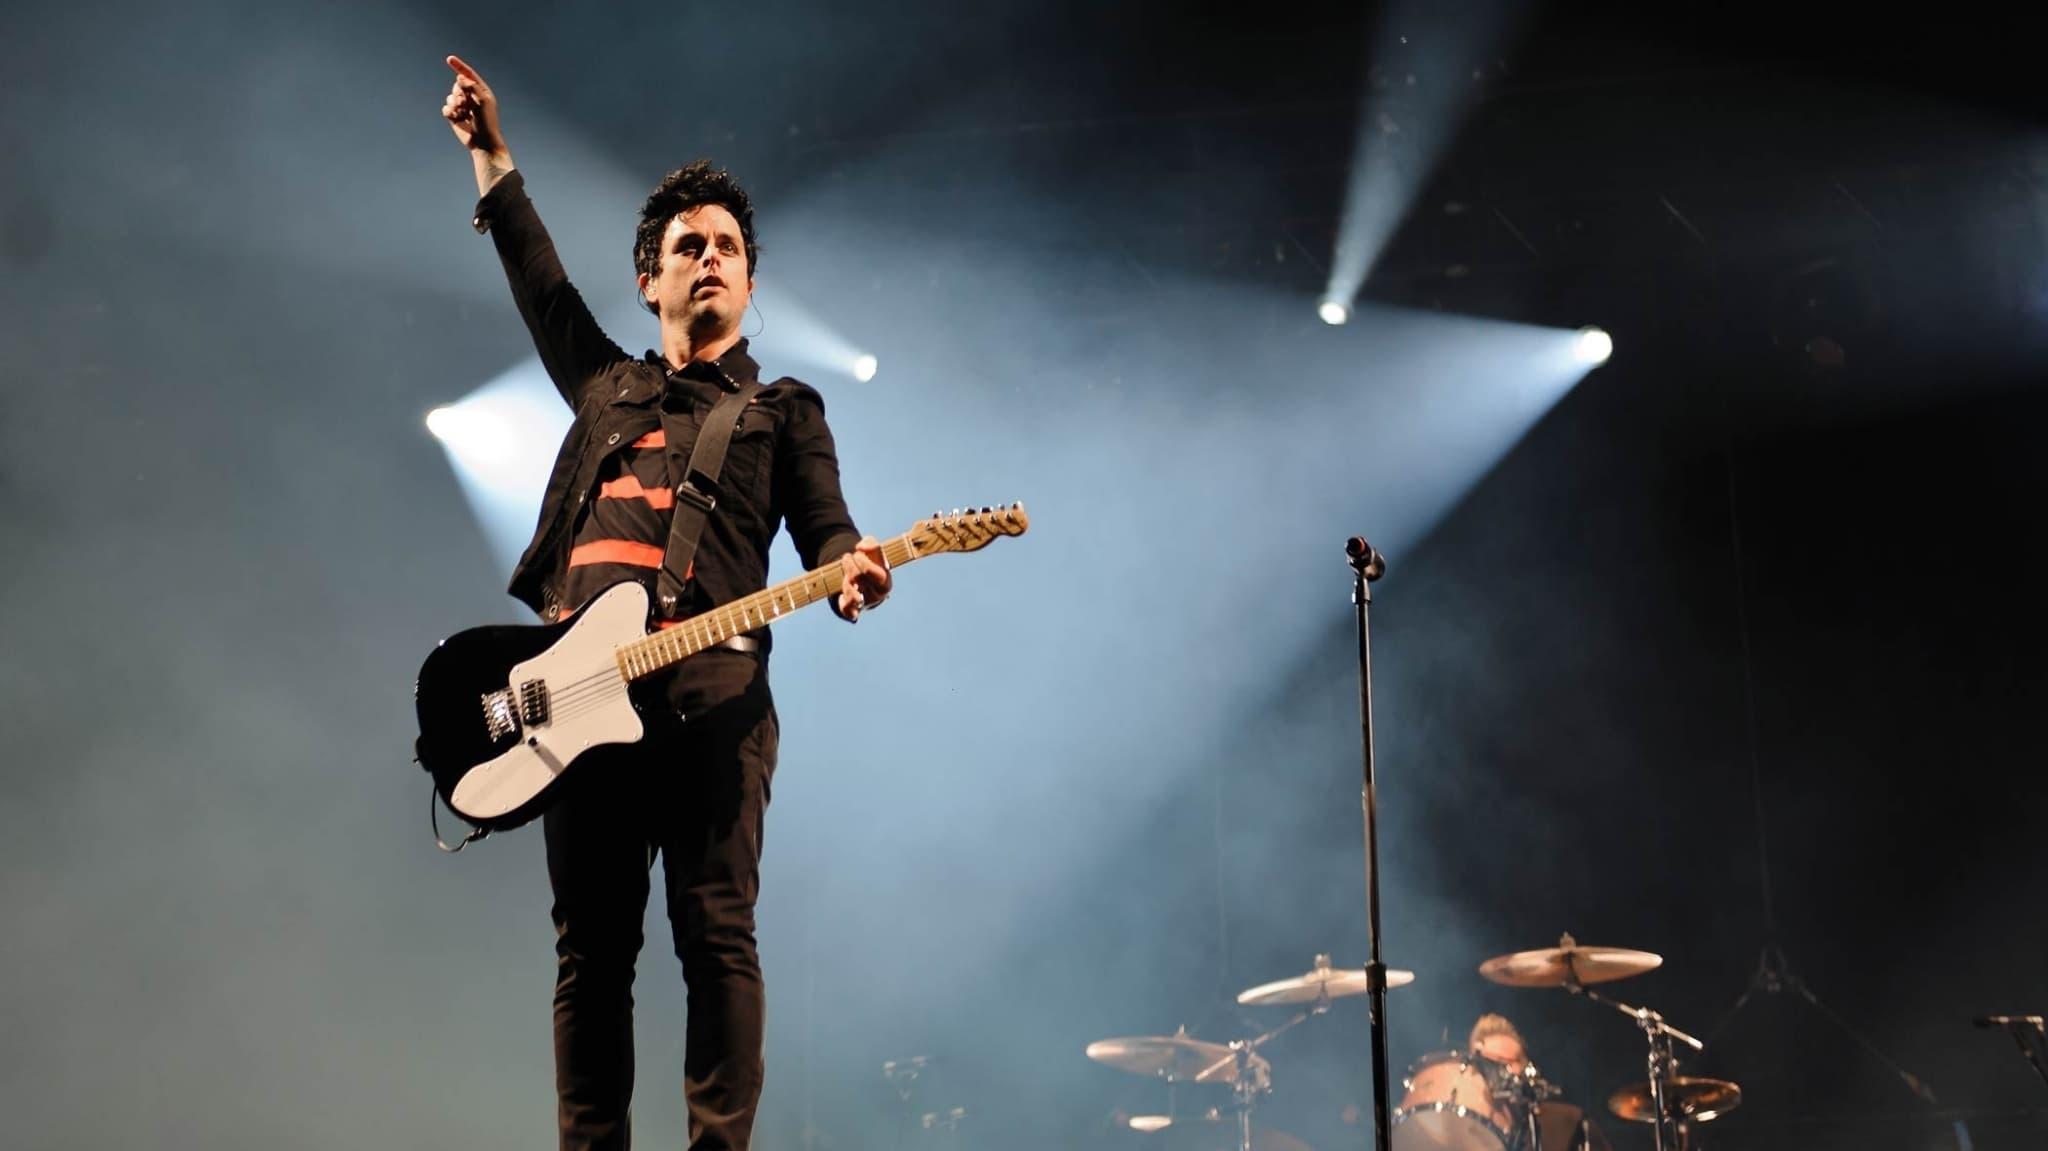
{"points": [[693, 793]]}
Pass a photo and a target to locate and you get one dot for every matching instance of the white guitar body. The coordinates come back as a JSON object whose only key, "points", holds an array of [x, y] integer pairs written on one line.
{"points": [[505, 710], [587, 704]]}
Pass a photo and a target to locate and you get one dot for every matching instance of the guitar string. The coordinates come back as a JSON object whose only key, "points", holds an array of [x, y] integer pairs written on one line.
{"points": [[720, 623], [700, 634], [599, 689], [590, 692], [714, 627], [588, 706]]}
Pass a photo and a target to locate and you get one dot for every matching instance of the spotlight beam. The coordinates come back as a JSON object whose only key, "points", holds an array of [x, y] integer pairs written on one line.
{"points": [[1427, 68]]}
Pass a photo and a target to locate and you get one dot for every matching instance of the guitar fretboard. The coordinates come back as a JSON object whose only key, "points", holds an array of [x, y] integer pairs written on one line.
{"points": [[673, 644]]}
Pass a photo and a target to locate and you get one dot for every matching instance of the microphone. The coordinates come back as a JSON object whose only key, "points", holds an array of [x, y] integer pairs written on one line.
{"points": [[1681, 1036], [1363, 557]]}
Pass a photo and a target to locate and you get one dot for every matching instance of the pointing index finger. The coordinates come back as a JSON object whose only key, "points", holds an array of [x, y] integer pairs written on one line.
{"points": [[463, 70]]}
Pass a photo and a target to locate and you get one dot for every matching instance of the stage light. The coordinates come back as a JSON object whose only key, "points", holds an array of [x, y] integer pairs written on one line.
{"points": [[499, 441], [864, 367], [1593, 346], [1333, 313], [473, 432]]}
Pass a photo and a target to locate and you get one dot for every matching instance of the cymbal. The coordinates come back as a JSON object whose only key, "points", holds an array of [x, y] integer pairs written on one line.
{"points": [[1333, 982], [1692, 1099], [1175, 1057], [1557, 966], [1211, 1132]]}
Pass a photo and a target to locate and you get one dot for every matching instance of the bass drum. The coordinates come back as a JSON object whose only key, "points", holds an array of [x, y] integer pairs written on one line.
{"points": [[1452, 1104]]}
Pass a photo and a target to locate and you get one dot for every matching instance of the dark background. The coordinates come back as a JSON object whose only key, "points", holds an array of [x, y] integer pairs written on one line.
{"points": [[1734, 649]]}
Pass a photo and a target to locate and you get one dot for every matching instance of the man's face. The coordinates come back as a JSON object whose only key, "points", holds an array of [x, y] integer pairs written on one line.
{"points": [[1506, 1050], [703, 277]]}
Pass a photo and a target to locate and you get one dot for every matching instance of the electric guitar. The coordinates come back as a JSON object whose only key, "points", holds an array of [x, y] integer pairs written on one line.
{"points": [[504, 711]]}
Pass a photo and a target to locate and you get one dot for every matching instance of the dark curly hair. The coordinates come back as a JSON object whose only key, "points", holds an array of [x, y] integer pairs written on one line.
{"points": [[687, 187]]}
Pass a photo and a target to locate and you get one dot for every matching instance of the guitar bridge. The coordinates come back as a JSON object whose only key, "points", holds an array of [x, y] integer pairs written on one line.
{"points": [[533, 702], [501, 719]]}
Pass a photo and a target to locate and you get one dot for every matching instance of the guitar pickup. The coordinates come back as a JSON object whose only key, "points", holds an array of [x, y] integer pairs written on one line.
{"points": [[501, 718], [533, 702]]}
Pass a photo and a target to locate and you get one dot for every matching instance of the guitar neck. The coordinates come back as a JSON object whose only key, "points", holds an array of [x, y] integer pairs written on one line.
{"points": [[673, 644]]}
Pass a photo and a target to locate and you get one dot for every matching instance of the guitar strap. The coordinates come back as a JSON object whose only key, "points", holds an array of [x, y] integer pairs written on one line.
{"points": [[697, 494]]}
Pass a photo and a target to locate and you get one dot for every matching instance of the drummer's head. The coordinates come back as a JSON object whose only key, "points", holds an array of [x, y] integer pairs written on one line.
{"points": [[1496, 1038]]}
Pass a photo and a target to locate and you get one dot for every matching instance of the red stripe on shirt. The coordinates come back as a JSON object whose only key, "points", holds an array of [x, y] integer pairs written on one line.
{"points": [[658, 438], [616, 552], [627, 487]]}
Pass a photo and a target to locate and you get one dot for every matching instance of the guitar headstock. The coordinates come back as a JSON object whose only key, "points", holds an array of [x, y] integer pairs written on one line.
{"points": [[967, 529]]}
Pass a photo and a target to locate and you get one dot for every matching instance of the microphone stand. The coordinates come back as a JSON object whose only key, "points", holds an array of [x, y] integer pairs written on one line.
{"points": [[1368, 565], [1773, 970], [1774, 975]]}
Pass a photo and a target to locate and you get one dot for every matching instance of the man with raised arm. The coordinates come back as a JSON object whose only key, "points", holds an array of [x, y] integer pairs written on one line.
{"points": [[694, 790]]}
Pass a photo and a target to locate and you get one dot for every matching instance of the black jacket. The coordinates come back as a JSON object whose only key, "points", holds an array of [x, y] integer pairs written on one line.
{"points": [[781, 465]]}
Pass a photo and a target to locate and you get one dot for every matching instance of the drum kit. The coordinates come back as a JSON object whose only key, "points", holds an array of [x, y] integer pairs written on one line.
{"points": [[1454, 1100]]}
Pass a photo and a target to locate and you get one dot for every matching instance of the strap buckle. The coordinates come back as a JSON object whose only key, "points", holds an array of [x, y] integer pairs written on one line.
{"points": [[696, 497]]}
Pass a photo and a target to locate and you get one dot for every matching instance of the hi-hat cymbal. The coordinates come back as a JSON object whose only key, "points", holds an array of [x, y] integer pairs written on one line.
{"points": [[1175, 1057], [1323, 982], [1567, 963], [1692, 1099], [1211, 1132]]}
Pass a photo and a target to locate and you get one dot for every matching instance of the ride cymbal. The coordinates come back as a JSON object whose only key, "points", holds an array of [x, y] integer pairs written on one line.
{"points": [[1692, 1099], [1176, 1058], [1569, 962], [1323, 982]]}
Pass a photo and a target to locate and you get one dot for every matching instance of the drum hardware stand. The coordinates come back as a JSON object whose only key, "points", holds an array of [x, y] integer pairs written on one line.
{"points": [[902, 1075], [1530, 1090], [1367, 565], [1670, 1130], [2029, 1031], [1248, 1084], [947, 1121]]}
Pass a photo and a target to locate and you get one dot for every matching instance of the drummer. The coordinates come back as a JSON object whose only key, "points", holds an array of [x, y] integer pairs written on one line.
{"points": [[1563, 1126]]}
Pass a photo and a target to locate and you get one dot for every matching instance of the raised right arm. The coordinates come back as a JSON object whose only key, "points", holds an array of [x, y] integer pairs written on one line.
{"points": [[573, 349]]}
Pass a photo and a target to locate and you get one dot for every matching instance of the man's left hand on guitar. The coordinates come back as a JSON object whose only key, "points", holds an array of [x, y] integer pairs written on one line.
{"points": [[867, 579]]}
